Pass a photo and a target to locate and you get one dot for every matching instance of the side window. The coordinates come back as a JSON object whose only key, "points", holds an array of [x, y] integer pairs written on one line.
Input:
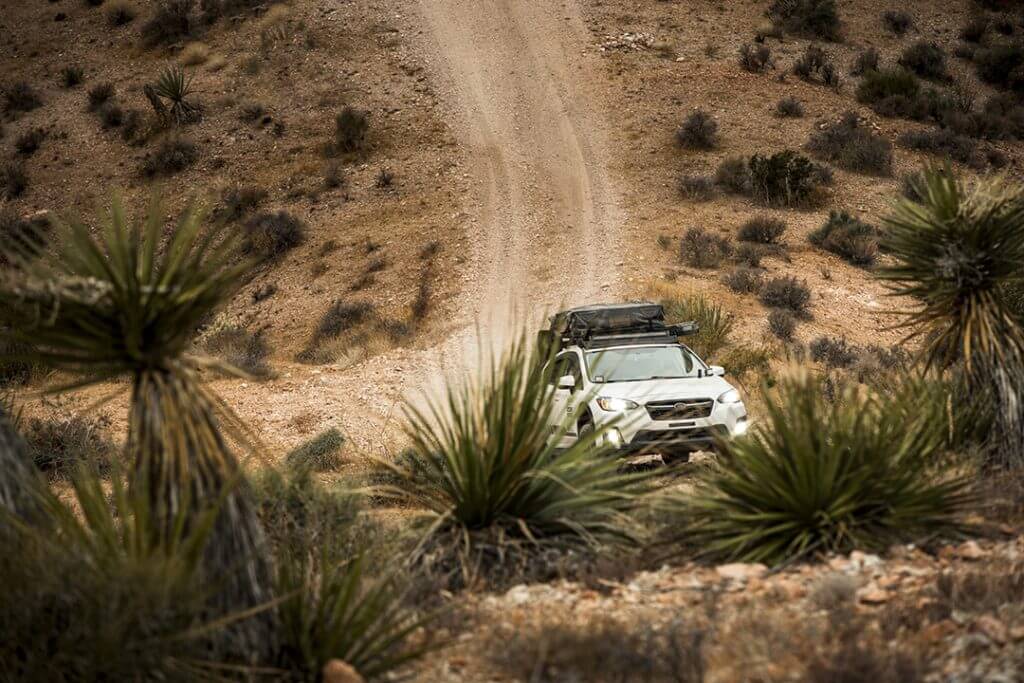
{"points": [[572, 367], [560, 368]]}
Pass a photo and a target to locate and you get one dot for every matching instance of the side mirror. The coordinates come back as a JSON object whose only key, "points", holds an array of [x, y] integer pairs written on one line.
{"points": [[567, 382], [716, 371]]}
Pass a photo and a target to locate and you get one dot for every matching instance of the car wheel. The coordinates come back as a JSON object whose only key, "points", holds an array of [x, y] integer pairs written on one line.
{"points": [[584, 431]]}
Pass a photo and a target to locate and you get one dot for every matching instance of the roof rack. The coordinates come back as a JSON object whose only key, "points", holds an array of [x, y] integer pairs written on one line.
{"points": [[607, 325]]}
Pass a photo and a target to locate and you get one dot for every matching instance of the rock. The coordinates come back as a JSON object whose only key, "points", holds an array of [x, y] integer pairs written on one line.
{"points": [[861, 560], [969, 551], [938, 632], [337, 671], [518, 595], [872, 595], [991, 628], [741, 571]]}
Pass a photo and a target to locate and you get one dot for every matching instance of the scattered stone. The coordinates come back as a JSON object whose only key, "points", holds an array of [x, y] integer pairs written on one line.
{"points": [[337, 671], [741, 571], [969, 551], [991, 628], [628, 41], [873, 595]]}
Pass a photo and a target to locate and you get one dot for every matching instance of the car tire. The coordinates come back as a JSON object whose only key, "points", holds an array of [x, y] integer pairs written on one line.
{"points": [[584, 430]]}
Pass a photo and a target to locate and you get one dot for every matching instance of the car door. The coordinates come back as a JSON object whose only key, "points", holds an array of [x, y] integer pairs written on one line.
{"points": [[563, 401]]}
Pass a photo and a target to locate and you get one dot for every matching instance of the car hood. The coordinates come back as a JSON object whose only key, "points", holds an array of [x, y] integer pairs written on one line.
{"points": [[665, 389]]}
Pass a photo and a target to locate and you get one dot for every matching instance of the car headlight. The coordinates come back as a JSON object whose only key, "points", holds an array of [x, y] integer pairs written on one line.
{"points": [[616, 405], [731, 396]]}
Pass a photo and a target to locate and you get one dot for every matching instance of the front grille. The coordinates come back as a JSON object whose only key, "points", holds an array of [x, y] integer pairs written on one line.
{"points": [[680, 409], [676, 438]]}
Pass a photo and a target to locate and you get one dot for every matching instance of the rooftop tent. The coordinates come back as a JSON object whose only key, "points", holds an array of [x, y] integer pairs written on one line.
{"points": [[609, 324]]}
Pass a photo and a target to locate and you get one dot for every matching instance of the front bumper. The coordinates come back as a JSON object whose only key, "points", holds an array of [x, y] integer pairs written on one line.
{"points": [[641, 434]]}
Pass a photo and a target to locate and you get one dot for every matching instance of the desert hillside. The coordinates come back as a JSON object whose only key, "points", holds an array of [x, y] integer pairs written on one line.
{"points": [[416, 182]]}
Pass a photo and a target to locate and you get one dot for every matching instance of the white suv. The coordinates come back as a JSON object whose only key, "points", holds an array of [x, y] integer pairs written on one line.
{"points": [[654, 394]]}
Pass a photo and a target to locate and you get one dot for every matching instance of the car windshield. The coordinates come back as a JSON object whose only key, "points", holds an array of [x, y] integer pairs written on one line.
{"points": [[642, 362]]}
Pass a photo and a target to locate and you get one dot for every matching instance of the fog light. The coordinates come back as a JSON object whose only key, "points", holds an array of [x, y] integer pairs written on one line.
{"points": [[741, 427], [614, 437]]}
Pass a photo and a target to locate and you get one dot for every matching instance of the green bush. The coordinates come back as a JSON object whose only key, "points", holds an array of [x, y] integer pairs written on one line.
{"points": [[734, 175], [788, 293], [699, 248], [171, 156], [170, 22], [881, 84], [816, 477], [814, 65], [897, 22], [495, 489], [846, 236], [322, 453], [715, 324], [813, 18], [350, 128], [785, 178], [762, 230], [944, 142], [789, 107], [851, 146], [1001, 64], [867, 61], [745, 280], [699, 131], [926, 59], [270, 235]]}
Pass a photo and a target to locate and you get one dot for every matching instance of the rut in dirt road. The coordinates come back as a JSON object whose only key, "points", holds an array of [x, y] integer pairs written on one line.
{"points": [[548, 218]]}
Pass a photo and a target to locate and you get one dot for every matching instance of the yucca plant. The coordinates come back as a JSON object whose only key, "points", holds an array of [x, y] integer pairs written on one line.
{"points": [[125, 305], [493, 484], [715, 323], [817, 477], [336, 612], [175, 87], [96, 596], [18, 479], [958, 250]]}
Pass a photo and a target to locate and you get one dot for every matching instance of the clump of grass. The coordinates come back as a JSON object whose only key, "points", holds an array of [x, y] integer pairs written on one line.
{"points": [[789, 107], [834, 352], [762, 229], [112, 115], [699, 248], [71, 76], [812, 18], [699, 131], [20, 97], [975, 29], [788, 293], [786, 178], [782, 324], [848, 237], [897, 22], [13, 179], [172, 155], [496, 487], [745, 280], [815, 66], [350, 129], [698, 188], [852, 146], [322, 453], [714, 322], [120, 13], [926, 59], [28, 142], [271, 234], [807, 481], [755, 58], [100, 94], [241, 349]]}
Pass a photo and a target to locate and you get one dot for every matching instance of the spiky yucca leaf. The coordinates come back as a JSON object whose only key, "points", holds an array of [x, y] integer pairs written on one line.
{"points": [[485, 468], [336, 612], [175, 87], [124, 304], [958, 250], [820, 477]]}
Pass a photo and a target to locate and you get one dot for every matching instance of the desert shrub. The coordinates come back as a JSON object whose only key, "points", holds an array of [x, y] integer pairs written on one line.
{"points": [[699, 248], [815, 66], [946, 143], [111, 115], [699, 131], [785, 178], [750, 255], [13, 179], [789, 107], [849, 145], [897, 22], [881, 84], [745, 280], [715, 324], [19, 97], [814, 18], [755, 58], [867, 60], [699, 188], [71, 75], [848, 237], [834, 352], [385, 179], [788, 293], [238, 201], [120, 13], [494, 484], [913, 184], [58, 445], [271, 234], [782, 324], [808, 480], [172, 155], [240, 348], [350, 129], [926, 59], [322, 453], [16, 368], [23, 239], [170, 22], [762, 229], [1001, 64], [734, 175], [100, 94], [602, 649], [251, 112], [28, 142], [342, 317], [133, 128], [975, 29]]}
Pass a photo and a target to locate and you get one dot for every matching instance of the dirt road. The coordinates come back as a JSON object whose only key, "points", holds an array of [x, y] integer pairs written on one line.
{"points": [[546, 231]]}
